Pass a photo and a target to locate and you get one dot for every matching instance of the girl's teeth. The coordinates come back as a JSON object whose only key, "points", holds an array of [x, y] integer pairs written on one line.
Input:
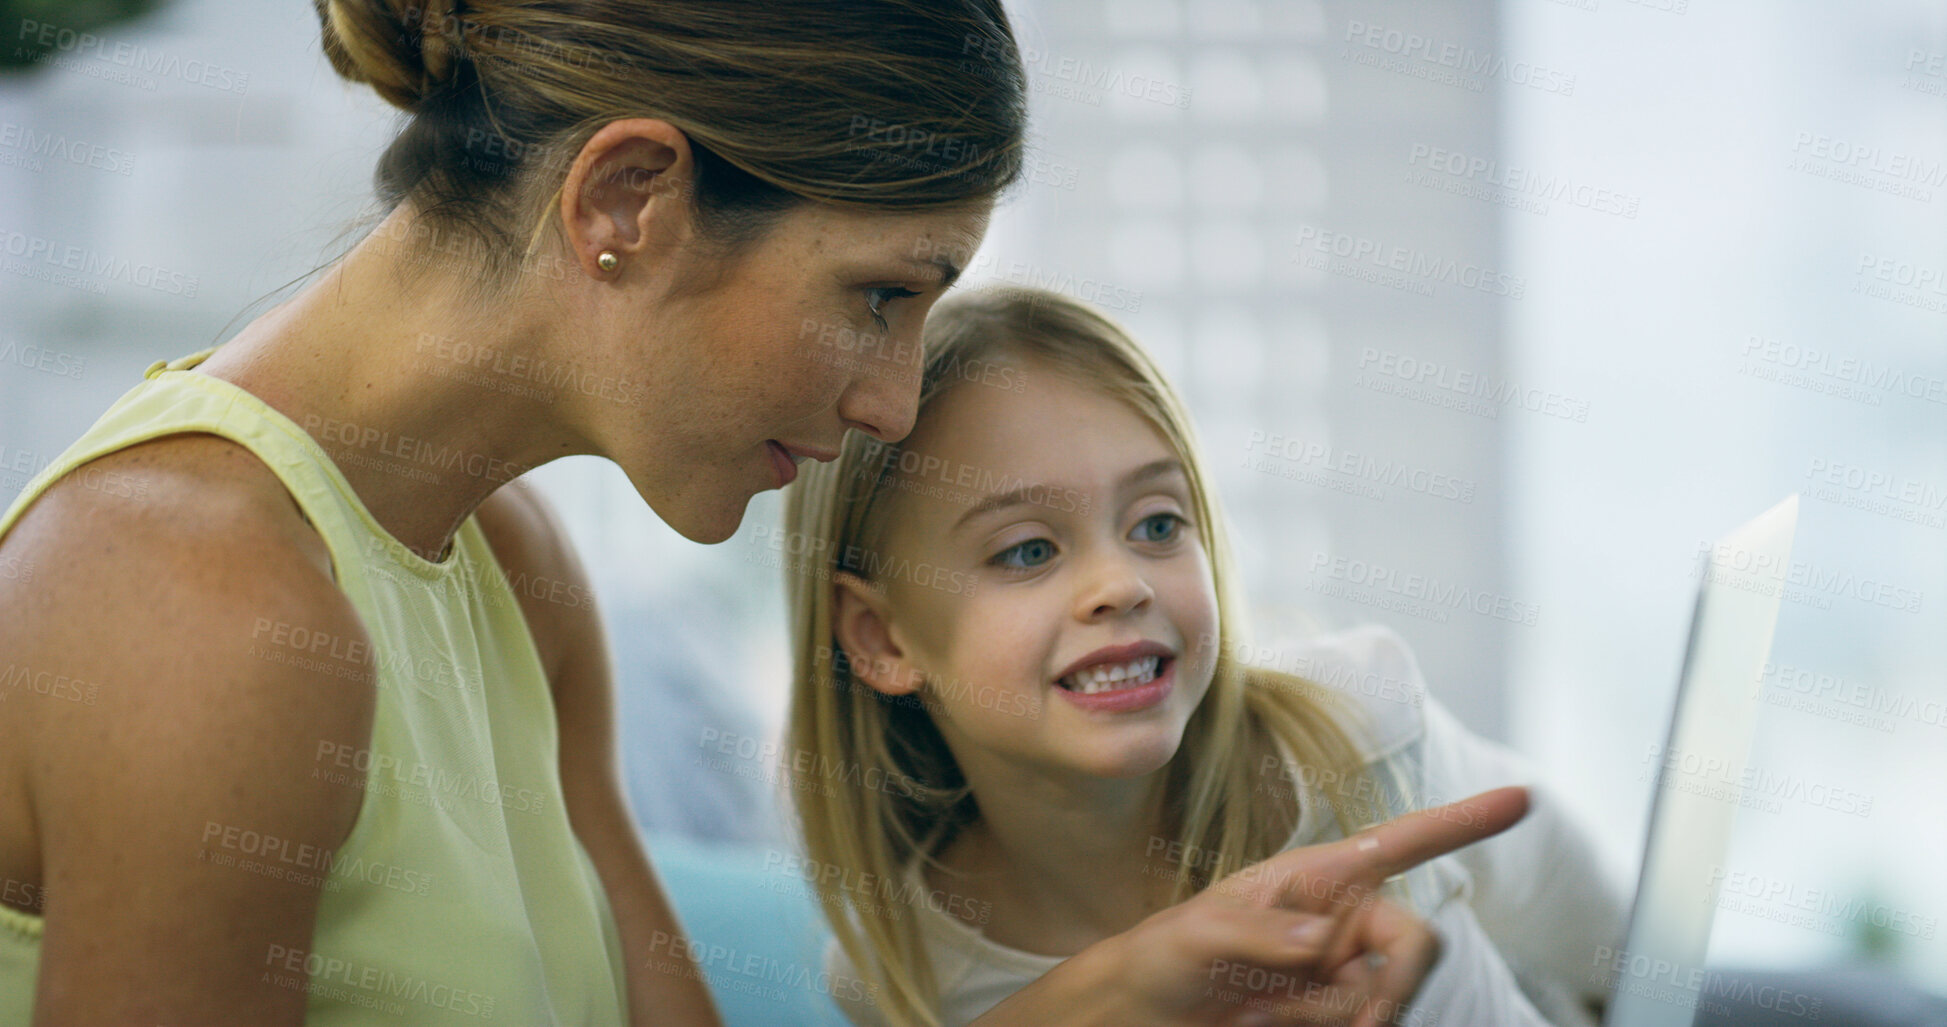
{"points": [[1127, 675]]}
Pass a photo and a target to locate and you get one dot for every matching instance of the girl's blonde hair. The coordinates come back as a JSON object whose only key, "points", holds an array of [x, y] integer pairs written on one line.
{"points": [[1221, 801]]}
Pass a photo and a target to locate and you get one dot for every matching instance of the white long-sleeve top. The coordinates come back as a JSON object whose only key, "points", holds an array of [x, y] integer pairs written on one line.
{"points": [[1520, 916]]}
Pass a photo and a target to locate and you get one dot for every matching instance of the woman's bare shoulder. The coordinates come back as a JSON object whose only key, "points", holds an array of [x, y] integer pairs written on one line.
{"points": [[181, 553], [162, 702], [169, 495]]}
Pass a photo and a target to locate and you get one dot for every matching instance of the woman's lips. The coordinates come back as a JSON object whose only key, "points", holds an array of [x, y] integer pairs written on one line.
{"points": [[787, 468], [1126, 700]]}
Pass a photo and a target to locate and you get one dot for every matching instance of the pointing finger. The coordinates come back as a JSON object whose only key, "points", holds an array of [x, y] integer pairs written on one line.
{"points": [[1343, 873], [1403, 843]]}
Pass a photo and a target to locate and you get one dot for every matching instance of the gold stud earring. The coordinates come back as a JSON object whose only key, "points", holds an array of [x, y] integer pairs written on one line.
{"points": [[608, 261]]}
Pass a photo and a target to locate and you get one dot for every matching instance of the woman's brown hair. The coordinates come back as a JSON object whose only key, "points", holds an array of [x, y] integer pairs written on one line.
{"points": [[880, 104]]}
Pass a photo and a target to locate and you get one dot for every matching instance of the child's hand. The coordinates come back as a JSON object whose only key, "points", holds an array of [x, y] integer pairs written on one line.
{"points": [[1378, 953], [1301, 938]]}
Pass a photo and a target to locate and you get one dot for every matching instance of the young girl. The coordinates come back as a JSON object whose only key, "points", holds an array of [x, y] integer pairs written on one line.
{"points": [[1024, 640]]}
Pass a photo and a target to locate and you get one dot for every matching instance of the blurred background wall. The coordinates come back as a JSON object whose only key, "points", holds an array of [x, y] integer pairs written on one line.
{"points": [[1520, 301]]}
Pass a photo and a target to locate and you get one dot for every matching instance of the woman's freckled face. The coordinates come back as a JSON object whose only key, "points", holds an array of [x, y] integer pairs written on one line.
{"points": [[809, 333], [994, 607]]}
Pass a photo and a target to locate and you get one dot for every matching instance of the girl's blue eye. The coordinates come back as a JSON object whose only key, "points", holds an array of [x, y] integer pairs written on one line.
{"points": [[1171, 522], [881, 295], [1035, 551]]}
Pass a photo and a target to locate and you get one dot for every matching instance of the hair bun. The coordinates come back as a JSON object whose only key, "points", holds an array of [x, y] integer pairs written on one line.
{"points": [[404, 49]]}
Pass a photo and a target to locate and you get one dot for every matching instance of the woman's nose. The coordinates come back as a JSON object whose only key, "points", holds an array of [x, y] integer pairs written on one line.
{"points": [[883, 398]]}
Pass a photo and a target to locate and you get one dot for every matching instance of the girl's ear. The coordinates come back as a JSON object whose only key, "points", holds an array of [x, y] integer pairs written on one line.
{"points": [[860, 620]]}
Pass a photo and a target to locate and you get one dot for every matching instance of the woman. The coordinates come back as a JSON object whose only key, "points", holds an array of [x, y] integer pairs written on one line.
{"points": [[327, 725]]}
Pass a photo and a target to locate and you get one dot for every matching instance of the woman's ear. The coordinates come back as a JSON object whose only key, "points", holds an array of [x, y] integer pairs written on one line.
{"points": [[860, 619], [628, 192]]}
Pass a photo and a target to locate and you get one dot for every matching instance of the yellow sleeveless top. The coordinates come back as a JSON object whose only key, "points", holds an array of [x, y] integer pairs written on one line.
{"points": [[461, 895]]}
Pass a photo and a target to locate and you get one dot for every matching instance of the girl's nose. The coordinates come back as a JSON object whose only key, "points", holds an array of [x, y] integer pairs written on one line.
{"points": [[1115, 587]]}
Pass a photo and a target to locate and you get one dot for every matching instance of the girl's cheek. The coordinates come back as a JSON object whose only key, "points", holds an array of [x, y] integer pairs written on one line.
{"points": [[1193, 592], [1014, 640], [1198, 623]]}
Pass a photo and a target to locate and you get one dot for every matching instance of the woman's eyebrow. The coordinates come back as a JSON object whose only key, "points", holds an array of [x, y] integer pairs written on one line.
{"points": [[1021, 496]]}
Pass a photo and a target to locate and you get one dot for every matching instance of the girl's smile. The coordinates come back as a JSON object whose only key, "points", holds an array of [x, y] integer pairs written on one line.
{"points": [[1120, 679]]}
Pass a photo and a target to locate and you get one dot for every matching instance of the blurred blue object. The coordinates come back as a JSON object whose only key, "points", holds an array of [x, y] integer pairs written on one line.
{"points": [[755, 929], [673, 696]]}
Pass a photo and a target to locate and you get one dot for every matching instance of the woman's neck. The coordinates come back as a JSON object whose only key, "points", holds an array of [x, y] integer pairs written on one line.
{"points": [[1061, 862], [405, 385]]}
